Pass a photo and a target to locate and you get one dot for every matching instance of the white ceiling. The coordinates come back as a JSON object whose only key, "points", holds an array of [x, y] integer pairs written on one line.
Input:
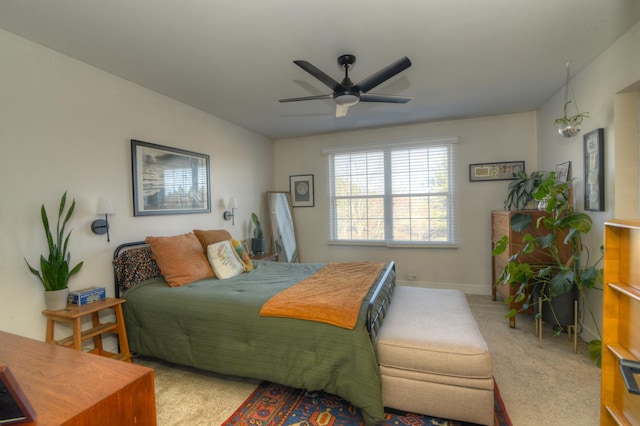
{"points": [[233, 58]]}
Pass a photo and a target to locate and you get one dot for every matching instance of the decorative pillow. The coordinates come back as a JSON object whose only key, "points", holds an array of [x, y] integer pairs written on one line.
{"points": [[244, 256], [212, 236], [135, 265], [224, 260], [180, 259]]}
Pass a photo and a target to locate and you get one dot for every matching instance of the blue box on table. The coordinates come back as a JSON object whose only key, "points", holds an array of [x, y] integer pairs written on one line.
{"points": [[87, 295]]}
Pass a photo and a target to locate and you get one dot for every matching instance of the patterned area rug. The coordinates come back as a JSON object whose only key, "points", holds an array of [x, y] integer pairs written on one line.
{"points": [[277, 405]]}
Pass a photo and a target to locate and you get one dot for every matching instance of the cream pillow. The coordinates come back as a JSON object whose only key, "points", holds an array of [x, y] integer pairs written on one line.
{"points": [[224, 260]]}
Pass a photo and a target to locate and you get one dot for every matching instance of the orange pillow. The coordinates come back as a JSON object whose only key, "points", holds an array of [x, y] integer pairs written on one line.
{"points": [[212, 236], [180, 259]]}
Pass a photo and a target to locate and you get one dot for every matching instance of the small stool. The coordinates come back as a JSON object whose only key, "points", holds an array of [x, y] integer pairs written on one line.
{"points": [[74, 315]]}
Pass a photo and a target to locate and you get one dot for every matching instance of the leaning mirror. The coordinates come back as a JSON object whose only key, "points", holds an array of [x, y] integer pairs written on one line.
{"points": [[282, 226]]}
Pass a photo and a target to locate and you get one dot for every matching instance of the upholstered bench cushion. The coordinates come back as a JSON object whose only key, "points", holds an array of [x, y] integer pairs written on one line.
{"points": [[434, 332], [433, 359]]}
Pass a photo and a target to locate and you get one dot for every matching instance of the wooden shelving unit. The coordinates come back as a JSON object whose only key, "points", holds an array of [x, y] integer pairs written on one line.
{"points": [[621, 333]]}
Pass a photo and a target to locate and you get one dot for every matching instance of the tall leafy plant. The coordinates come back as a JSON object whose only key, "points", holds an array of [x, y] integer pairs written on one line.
{"points": [[54, 271], [562, 225], [520, 190], [257, 231]]}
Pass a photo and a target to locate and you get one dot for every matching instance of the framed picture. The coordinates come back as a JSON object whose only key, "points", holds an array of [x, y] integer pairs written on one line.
{"points": [[301, 188], [14, 405], [169, 180], [562, 171], [506, 170], [594, 170]]}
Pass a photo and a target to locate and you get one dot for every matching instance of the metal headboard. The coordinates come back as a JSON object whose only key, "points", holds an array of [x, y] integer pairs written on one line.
{"points": [[116, 253]]}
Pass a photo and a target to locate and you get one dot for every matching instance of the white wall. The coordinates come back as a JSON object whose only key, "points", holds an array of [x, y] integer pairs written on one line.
{"points": [[468, 267], [65, 125], [595, 88]]}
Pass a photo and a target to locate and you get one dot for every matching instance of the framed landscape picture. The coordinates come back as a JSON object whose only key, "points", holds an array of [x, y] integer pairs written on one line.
{"points": [[169, 180]]}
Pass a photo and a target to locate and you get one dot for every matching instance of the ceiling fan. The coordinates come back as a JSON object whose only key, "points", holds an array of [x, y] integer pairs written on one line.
{"points": [[345, 93]]}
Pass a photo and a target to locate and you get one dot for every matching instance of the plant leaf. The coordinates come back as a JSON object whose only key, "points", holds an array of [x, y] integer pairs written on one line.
{"points": [[595, 352]]}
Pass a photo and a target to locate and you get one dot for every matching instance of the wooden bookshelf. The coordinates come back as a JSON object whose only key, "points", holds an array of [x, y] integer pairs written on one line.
{"points": [[621, 334]]}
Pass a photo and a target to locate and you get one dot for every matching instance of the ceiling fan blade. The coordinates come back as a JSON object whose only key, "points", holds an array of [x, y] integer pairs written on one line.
{"points": [[390, 99], [307, 98], [341, 110], [384, 74], [320, 75]]}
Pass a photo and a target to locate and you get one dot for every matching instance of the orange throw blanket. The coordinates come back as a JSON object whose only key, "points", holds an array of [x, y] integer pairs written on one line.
{"points": [[332, 295]]}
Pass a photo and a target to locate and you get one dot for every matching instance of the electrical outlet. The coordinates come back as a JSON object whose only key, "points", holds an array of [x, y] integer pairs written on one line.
{"points": [[413, 277]]}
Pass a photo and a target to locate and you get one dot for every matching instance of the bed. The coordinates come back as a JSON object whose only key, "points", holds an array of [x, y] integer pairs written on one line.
{"points": [[215, 325]]}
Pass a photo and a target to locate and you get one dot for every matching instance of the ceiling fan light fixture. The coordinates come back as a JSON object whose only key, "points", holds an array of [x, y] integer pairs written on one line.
{"points": [[346, 99]]}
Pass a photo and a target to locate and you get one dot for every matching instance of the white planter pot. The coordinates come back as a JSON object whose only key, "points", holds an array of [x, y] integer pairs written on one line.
{"points": [[57, 299]]}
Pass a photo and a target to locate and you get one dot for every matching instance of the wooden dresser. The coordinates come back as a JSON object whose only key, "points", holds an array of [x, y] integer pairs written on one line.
{"points": [[70, 387], [500, 226], [621, 323]]}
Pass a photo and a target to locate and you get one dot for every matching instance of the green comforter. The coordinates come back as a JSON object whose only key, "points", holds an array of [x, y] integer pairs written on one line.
{"points": [[215, 325]]}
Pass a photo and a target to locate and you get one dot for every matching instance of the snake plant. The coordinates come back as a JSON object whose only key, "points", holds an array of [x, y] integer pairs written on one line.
{"points": [[54, 271]]}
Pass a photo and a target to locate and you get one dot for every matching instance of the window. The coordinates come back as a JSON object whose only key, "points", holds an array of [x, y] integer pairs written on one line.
{"points": [[393, 194]]}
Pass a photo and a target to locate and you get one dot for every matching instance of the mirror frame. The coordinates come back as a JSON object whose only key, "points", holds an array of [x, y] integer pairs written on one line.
{"points": [[273, 229]]}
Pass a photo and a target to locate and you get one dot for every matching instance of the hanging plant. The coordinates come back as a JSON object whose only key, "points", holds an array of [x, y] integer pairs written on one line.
{"points": [[570, 126]]}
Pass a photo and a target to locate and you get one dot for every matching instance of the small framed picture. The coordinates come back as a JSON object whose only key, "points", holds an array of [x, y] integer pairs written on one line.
{"points": [[301, 188], [562, 171], [594, 170]]}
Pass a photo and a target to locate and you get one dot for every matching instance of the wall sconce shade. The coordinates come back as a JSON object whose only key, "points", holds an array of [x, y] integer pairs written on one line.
{"points": [[101, 226], [230, 214], [105, 206]]}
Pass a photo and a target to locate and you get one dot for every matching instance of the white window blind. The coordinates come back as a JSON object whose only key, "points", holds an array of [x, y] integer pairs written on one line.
{"points": [[394, 194]]}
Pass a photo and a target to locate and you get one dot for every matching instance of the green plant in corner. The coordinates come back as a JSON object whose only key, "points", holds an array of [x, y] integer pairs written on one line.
{"points": [[54, 271], [521, 189], [257, 231], [556, 275]]}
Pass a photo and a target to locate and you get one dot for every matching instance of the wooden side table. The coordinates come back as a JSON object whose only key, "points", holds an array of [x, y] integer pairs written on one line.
{"points": [[74, 314], [268, 257]]}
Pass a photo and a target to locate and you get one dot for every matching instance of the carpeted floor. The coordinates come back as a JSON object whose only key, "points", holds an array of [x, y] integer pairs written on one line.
{"points": [[539, 386]]}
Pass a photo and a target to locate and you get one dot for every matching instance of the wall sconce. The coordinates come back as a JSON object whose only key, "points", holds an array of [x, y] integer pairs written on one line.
{"points": [[231, 214], [101, 226]]}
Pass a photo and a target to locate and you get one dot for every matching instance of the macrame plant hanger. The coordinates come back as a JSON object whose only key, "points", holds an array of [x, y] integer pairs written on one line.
{"points": [[570, 126]]}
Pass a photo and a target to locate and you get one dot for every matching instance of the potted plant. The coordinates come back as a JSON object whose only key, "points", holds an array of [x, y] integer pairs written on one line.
{"points": [[258, 242], [556, 275], [55, 271], [570, 126], [520, 190]]}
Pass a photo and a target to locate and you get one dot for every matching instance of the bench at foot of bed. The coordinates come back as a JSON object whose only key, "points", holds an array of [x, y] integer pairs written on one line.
{"points": [[433, 359]]}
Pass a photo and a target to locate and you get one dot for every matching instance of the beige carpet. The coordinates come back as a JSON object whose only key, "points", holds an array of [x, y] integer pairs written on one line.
{"points": [[548, 386]]}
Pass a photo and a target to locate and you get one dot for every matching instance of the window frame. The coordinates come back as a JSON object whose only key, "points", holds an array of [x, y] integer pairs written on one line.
{"points": [[449, 142]]}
